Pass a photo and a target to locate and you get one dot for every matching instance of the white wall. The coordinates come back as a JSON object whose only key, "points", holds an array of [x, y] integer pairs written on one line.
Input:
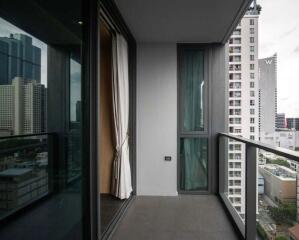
{"points": [[156, 119]]}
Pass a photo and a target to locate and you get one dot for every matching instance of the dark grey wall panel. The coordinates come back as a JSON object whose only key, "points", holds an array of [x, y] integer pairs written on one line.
{"points": [[218, 104]]}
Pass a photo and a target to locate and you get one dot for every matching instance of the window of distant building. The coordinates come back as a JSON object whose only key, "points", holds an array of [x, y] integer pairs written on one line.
{"points": [[251, 21], [251, 39]]}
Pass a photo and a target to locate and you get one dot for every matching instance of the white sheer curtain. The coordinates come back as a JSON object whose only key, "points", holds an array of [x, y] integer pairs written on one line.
{"points": [[121, 185]]}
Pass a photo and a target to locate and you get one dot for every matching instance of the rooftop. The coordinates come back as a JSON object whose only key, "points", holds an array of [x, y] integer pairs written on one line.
{"points": [[13, 172], [281, 172]]}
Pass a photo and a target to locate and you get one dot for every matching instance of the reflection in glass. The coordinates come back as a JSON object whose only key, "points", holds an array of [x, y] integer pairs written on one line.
{"points": [[192, 78], [23, 172], [194, 164], [34, 76], [75, 91]]}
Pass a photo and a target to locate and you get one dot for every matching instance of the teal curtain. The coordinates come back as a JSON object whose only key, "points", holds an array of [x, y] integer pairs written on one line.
{"points": [[194, 167], [192, 78], [194, 155]]}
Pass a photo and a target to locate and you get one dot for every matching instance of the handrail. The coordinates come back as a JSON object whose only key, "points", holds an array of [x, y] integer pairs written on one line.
{"points": [[293, 155], [27, 135], [247, 228]]}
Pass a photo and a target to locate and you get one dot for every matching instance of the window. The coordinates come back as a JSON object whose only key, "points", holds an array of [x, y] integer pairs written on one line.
{"points": [[235, 41], [238, 191], [235, 94], [251, 93], [251, 75], [235, 102], [252, 111], [235, 85], [251, 21], [235, 67], [251, 137], [231, 129], [252, 103], [238, 120], [234, 111], [251, 66], [251, 30], [252, 84], [251, 129], [193, 102], [251, 48], [235, 58], [46, 67], [193, 148], [252, 120], [251, 57], [238, 130], [251, 39], [238, 148]]}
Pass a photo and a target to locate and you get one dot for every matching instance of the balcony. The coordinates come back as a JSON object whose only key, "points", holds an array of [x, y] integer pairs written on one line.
{"points": [[158, 217], [134, 104], [235, 41]]}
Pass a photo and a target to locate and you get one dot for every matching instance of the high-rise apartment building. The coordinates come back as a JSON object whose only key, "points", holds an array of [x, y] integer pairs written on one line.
{"points": [[243, 101], [280, 120], [267, 96], [19, 58], [23, 107]]}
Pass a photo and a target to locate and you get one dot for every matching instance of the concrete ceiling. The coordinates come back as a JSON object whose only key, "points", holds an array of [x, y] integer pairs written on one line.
{"points": [[204, 21]]}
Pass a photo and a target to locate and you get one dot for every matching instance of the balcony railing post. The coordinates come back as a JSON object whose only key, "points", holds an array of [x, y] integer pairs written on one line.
{"points": [[52, 162], [251, 191], [222, 161]]}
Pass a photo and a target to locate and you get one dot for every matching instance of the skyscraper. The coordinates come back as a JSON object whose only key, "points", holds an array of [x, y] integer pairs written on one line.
{"points": [[243, 101], [293, 123], [22, 107], [267, 96], [19, 58]]}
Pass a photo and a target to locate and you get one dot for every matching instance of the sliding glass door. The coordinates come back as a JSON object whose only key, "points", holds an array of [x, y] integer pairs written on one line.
{"points": [[193, 125]]}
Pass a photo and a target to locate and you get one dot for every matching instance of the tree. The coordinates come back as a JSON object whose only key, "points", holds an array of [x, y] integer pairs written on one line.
{"points": [[281, 162], [281, 238], [285, 213]]}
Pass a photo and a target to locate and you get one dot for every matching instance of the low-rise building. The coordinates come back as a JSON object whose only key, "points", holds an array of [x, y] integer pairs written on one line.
{"points": [[279, 182], [285, 138], [19, 186]]}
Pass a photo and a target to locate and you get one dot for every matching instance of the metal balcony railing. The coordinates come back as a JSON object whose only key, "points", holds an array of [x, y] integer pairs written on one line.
{"points": [[245, 221]]}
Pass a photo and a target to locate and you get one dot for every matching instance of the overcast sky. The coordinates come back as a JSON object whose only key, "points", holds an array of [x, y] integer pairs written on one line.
{"points": [[279, 33]]}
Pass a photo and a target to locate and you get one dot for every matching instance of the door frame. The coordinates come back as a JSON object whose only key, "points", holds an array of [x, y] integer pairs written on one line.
{"points": [[109, 15]]}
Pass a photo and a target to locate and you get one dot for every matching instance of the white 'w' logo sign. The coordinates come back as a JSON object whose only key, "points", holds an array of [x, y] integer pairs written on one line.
{"points": [[268, 61]]}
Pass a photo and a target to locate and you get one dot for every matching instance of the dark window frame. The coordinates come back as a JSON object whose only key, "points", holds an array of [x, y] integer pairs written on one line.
{"points": [[206, 48]]}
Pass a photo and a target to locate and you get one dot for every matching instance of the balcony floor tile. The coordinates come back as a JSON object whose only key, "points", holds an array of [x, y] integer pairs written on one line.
{"points": [[183, 217]]}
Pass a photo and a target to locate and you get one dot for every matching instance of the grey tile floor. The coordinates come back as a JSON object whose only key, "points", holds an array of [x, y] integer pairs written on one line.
{"points": [[175, 218]]}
